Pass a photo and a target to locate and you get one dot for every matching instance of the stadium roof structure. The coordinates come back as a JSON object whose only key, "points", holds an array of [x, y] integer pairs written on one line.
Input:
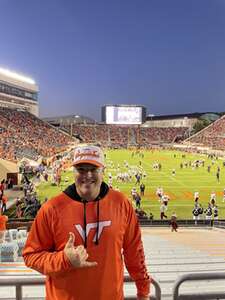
{"points": [[206, 115], [70, 119]]}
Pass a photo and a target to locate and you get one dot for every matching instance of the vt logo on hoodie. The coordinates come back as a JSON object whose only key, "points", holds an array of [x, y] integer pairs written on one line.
{"points": [[90, 226]]}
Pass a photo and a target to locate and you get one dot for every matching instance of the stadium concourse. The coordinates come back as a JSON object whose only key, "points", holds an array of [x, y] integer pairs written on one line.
{"points": [[169, 255]]}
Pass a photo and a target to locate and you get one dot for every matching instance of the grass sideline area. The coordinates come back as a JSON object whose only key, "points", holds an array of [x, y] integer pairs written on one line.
{"points": [[180, 187]]}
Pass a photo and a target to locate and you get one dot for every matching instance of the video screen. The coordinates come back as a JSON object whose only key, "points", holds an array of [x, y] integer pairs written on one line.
{"points": [[123, 115]]}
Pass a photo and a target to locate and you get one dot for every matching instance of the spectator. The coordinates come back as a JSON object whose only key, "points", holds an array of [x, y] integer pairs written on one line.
{"points": [[173, 222], [3, 220], [2, 187], [110, 214], [4, 201], [19, 211]]}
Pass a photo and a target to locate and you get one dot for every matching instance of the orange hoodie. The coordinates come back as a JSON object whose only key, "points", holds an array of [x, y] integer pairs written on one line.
{"points": [[3, 220], [118, 233]]}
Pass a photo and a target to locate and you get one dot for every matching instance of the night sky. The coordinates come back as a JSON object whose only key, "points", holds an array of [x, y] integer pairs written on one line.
{"points": [[168, 55]]}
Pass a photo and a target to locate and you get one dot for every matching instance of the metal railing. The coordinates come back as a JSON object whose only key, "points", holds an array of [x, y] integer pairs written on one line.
{"points": [[20, 281], [198, 296], [182, 223], [219, 224], [154, 282]]}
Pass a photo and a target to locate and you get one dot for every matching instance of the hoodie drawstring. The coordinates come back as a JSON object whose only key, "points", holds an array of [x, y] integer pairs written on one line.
{"points": [[85, 222], [97, 230], [85, 225]]}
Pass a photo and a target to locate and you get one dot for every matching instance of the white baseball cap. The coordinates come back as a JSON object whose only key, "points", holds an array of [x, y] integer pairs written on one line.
{"points": [[90, 155]]}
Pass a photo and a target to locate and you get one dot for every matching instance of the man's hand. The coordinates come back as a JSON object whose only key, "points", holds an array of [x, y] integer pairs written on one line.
{"points": [[77, 255], [143, 298]]}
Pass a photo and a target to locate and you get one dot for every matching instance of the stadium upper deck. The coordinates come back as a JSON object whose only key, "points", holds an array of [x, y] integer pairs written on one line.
{"points": [[18, 92]]}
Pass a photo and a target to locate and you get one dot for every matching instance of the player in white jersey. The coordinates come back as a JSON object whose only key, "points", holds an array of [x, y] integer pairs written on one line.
{"points": [[159, 192], [165, 199], [196, 197]]}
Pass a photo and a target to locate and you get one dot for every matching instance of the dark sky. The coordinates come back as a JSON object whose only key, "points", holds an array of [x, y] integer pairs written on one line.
{"points": [[168, 55]]}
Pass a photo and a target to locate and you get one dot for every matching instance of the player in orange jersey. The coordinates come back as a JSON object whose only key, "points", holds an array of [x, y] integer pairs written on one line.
{"points": [[81, 238]]}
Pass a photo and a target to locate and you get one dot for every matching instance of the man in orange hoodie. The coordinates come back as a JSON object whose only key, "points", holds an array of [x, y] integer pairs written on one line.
{"points": [[81, 238]]}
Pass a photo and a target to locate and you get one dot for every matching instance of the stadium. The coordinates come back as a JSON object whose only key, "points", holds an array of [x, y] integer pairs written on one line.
{"points": [[173, 165]]}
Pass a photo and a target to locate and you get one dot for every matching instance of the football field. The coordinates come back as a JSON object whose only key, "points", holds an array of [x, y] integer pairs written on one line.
{"points": [[179, 177]]}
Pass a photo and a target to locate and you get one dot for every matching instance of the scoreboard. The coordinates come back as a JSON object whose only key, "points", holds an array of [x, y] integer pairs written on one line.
{"points": [[123, 114]]}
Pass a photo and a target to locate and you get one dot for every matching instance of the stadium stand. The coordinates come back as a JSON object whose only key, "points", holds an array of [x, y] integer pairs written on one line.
{"points": [[160, 135], [212, 136], [24, 135], [125, 136]]}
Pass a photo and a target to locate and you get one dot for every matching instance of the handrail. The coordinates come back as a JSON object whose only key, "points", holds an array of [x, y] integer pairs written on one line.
{"points": [[219, 224], [19, 281], [197, 277], [153, 282]]}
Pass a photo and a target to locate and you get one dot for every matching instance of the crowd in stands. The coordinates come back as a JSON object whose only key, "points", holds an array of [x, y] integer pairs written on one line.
{"points": [[212, 136], [23, 134], [159, 135], [123, 135]]}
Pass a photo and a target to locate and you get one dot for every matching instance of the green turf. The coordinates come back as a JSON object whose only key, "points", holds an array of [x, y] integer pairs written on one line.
{"points": [[180, 187]]}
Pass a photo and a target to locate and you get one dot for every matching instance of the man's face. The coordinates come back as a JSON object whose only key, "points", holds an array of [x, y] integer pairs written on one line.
{"points": [[88, 180]]}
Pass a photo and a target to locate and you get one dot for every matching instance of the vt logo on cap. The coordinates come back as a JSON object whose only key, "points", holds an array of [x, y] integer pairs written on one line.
{"points": [[89, 154]]}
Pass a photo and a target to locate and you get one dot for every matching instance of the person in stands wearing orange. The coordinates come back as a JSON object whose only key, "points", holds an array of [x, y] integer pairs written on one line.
{"points": [[3, 221], [81, 238]]}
